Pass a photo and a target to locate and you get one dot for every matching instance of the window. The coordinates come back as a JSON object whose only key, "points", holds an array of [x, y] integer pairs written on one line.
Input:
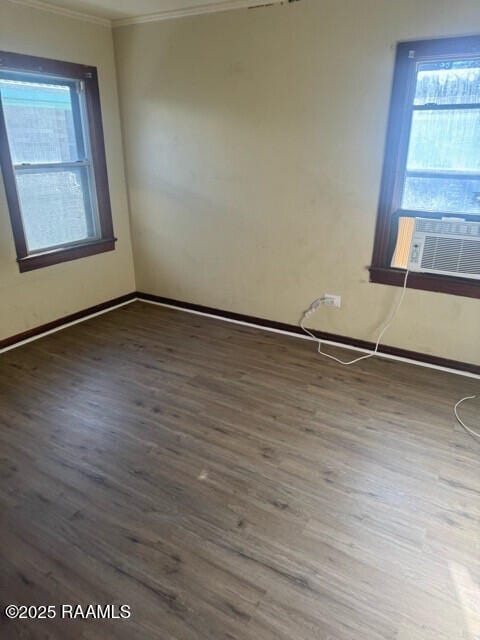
{"points": [[432, 156], [53, 160]]}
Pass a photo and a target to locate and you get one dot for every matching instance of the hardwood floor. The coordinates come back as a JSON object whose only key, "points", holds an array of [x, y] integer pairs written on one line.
{"points": [[227, 483]]}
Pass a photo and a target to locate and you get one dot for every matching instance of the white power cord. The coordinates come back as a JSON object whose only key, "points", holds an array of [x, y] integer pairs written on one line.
{"points": [[314, 307], [473, 433], [318, 303]]}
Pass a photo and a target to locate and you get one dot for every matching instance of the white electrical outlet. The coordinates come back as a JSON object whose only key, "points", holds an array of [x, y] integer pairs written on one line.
{"points": [[332, 301]]}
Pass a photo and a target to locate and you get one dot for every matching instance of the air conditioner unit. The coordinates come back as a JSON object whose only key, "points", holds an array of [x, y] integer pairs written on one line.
{"points": [[450, 247]]}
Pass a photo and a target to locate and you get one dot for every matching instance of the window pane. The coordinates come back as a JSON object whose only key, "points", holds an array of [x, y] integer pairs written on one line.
{"points": [[39, 121], [451, 82], [445, 140], [53, 207], [442, 194]]}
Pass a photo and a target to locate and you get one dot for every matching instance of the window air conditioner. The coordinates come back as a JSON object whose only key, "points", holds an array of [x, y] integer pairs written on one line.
{"points": [[450, 247]]}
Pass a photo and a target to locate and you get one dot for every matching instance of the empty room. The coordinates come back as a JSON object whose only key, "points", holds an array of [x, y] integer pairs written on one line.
{"points": [[240, 321]]}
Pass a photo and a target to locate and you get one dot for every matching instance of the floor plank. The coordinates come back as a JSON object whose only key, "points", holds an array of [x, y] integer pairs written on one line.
{"points": [[228, 483]]}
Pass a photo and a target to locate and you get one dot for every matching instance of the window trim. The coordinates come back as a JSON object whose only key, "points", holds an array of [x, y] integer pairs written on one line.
{"points": [[396, 148], [106, 240]]}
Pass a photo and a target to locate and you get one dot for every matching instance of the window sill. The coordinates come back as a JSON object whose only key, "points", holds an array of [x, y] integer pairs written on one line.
{"points": [[466, 287], [64, 254]]}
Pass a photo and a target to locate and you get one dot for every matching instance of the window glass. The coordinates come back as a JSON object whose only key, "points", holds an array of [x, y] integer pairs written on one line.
{"points": [[54, 176], [448, 82], [39, 122], [54, 209], [442, 173], [442, 194], [445, 140]]}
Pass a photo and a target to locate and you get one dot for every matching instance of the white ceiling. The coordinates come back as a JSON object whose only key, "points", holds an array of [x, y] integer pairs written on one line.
{"points": [[115, 9], [125, 11]]}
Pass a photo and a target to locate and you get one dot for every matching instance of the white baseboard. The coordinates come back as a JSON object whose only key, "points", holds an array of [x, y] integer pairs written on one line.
{"points": [[64, 326], [291, 334]]}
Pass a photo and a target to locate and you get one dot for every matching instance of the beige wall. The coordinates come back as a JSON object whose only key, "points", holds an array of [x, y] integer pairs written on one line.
{"points": [[254, 147], [31, 299]]}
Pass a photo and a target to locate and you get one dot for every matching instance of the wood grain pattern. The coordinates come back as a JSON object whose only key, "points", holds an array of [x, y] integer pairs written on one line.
{"points": [[417, 356], [228, 484]]}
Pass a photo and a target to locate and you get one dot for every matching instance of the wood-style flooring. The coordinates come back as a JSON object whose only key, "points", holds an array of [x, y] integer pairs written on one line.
{"points": [[229, 484]]}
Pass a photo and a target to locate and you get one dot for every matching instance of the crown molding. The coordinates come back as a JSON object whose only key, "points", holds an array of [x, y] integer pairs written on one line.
{"points": [[62, 11], [210, 7]]}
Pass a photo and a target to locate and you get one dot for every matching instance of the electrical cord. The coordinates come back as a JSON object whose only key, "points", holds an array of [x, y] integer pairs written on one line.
{"points": [[314, 307], [318, 303], [473, 433]]}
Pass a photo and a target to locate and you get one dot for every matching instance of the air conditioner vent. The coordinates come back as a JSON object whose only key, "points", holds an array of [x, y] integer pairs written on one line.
{"points": [[454, 255], [446, 247], [470, 258]]}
